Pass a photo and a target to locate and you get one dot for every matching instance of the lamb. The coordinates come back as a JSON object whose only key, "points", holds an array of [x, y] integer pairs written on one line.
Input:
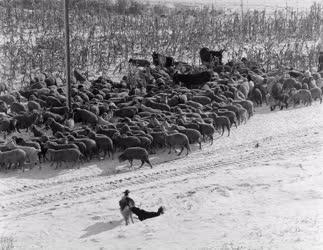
{"points": [[64, 155], [15, 156], [177, 139], [316, 93], [135, 153]]}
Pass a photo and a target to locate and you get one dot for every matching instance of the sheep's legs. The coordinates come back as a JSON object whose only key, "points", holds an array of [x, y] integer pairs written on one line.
{"points": [[131, 163]]}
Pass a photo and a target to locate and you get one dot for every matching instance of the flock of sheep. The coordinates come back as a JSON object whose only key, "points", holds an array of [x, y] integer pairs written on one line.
{"points": [[168, 104]]}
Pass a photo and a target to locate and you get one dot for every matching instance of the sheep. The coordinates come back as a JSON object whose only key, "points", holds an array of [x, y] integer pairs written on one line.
{"points": [[108, 132], [55, 146], [256, 96], [230, 114], [85, 116], [316, 93], [208, 56], [59, 110], [155, 105], [15, 156], [3, 87], [26, 120], [58, 118], [126, 112], [3, 107], [158, 140], [135, 153], [204, 100], [8, 125], [161, 60], [234, 109], [207, 130], [31, 152], [190, 80], [22, 142], [33, 105], [91, 147], [55, 126], [145, 141], [104, 143], [248, 105], [17, 108], [64, 155], [139, 62], [242, 115], [124, 142], [302, 95], [8, 99], [221, 122], [193, 135], [36, 131], [177, 139]]}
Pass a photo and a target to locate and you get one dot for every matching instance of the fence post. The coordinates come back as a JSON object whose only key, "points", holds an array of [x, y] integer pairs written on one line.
{"points": [[67, 53]]}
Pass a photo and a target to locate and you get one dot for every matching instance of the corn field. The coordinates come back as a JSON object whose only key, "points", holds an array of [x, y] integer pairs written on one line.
{"points": [[32, 39]]}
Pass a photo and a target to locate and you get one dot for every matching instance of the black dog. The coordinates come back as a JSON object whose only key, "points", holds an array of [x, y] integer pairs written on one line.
{"points": [[144, 215], [161, 60]]}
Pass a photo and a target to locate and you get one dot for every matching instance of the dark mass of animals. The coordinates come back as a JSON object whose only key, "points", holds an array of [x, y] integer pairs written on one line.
{"points": [[164, 105]]}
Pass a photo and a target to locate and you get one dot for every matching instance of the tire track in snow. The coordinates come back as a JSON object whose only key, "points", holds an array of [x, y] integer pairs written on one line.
{"points": [[24, 199]]}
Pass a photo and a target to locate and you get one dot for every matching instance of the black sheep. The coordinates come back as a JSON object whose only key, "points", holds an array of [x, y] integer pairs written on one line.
{"points": [[139, 62], [190, 80]]}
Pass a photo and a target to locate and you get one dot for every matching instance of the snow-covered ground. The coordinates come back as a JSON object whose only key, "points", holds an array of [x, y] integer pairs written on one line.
{"points": [[260, 188]]}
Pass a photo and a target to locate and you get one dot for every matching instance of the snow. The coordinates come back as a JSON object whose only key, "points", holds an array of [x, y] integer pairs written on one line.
{"points": [[230, 195]]}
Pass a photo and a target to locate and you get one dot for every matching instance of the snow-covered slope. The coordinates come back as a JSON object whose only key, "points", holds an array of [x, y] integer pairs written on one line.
{"points": [[260, 188]]}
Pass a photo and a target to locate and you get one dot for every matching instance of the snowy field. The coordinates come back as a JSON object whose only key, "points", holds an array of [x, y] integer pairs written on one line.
{"points": [[260, 188], [247, 4]]}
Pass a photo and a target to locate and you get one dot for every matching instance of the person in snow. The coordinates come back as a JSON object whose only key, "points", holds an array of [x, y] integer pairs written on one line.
{"points": [[319, 45], [144, 215], [125, 207]]}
